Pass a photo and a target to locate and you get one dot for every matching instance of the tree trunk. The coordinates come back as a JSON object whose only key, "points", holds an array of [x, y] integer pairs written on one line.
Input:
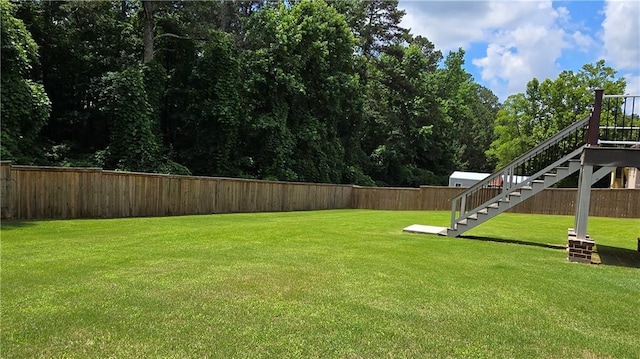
{"points": [[149, 27]]}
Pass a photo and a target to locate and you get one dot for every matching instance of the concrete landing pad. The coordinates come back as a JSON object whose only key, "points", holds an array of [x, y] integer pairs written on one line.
{"points": [[419, 228]]}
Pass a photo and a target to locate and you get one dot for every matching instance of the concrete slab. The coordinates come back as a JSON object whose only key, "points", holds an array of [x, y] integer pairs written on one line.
{"points": [[419, 228]]}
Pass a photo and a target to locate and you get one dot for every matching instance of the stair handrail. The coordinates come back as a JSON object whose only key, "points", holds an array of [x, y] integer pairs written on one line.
{"points": [[506, 172]]}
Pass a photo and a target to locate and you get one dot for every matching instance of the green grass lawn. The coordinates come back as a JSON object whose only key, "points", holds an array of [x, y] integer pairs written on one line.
{"points": [[340, 283]]}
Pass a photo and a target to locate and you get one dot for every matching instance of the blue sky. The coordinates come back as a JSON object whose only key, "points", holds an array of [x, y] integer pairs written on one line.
{"points": [[508, 43]]}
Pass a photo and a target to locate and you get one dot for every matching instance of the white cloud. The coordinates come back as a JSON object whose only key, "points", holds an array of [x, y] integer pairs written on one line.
{"points": [[584, 42], [621, 34], [448, 25], [517, 56], [633, 84], [451, 24], [524, 39]]}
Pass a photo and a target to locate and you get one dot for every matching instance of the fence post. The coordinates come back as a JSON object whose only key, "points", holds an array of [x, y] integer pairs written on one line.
{"points": [[594, 121], [6, 191]]}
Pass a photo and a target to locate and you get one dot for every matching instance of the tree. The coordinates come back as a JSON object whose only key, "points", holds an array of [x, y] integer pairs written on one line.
{"points": [[79, 43], [215, 111], [149, 7], [547, 107], [378, 26], [407, 130], [24, 105], [471, 109], [479, 135], [303, 89], [123, 100], [298, 90]]}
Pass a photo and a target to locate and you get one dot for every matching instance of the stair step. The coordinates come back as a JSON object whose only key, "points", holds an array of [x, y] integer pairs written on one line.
{"points": [[515, 194], [473, 216], [484, 211], [493, 205], [462, 222], [576, 163], [550, 174], [538, 181]]}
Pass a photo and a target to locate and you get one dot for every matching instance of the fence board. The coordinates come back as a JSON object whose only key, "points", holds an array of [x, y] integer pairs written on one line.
{"points": [[53, 192]]}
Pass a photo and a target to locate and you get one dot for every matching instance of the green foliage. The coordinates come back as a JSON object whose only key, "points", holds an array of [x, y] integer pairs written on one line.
{"points": [[301, 90], [377, 25], [407, 130], [471, 108], [170, 167], [528, 118], [133, 146], [19, 50], [24, 105], [155, 78], [80, 41], [215, 109]]}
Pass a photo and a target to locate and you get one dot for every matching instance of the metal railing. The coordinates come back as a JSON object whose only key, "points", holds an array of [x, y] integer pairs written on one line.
{"points": [[619, 121]]}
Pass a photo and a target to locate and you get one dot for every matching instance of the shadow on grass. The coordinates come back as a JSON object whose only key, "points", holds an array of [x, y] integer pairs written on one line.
{"points": [[7, 225], [516, 241], [615, 256]]}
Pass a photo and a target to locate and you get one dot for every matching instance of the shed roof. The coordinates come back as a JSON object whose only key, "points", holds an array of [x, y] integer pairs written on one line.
{"points": [[476, 176]]}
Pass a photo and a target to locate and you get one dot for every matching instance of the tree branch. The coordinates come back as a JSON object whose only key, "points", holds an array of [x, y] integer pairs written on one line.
{"points": [[179, 37]]}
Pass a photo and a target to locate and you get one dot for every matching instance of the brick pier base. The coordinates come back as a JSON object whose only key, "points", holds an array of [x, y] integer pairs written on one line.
{"points": [[579, 250]]}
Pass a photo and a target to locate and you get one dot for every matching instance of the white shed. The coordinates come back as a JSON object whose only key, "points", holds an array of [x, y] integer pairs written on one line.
{"points": [[466, 179]]}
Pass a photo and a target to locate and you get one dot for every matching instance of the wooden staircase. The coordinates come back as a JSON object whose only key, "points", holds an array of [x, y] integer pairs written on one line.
{"points": [[541, 167], [617, 123], [503, 203]]}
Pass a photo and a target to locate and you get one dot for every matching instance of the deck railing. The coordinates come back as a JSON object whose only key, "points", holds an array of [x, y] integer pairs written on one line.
{"points": [[619, 124]]}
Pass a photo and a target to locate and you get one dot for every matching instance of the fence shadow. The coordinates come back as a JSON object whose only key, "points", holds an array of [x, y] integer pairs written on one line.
{"points": [[615, 256], [516, 241], [7, 225]]}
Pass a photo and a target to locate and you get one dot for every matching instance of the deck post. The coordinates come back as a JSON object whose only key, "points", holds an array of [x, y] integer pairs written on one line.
{"points": [[582, 204], [594, 121], [579, 245]]}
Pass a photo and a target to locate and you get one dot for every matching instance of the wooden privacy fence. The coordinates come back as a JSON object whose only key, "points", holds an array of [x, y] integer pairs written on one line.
{"points": [[620, 203], [55, 192]]}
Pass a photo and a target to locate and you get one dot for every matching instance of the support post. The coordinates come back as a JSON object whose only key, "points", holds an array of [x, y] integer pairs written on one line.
{"points": [[584, 198], [579, 245], [577, 204]]}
